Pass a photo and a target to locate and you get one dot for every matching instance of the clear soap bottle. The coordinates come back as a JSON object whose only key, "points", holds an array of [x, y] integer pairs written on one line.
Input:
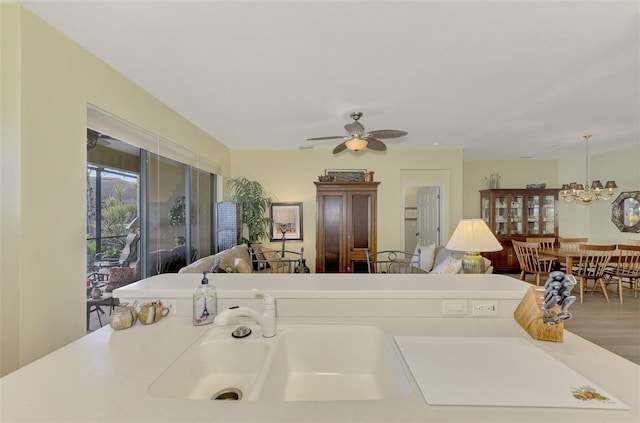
{"points": [[205, 305]]}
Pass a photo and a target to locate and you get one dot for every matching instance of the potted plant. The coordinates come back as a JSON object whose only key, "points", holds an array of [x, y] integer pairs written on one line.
{"points": [[255, 203]]}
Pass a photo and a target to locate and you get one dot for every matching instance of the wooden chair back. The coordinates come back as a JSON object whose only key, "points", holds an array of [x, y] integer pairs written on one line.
{"points": [[627, 269], [530, 260], [592, 266], [571, 243], [543, 242], [393, 261]]}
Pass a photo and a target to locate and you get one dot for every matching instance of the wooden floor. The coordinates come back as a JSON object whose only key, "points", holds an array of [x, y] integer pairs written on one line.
{"points": [[612, 326]]}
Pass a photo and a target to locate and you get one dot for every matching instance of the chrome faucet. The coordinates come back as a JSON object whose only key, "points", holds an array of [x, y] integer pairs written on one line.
{"points": [[266, 320]]}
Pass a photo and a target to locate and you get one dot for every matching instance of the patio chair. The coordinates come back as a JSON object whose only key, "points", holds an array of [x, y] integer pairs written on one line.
{"points": [[101, 266], [393, 261]]}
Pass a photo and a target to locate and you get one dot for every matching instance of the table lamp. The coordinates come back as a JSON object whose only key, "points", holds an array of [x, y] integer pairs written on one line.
{"points": [[284, 218], [473, 236]]}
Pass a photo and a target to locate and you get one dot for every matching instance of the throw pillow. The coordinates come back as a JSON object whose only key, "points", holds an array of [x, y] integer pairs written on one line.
{"points": [[426, 257], [449, 265], [242, 266]]}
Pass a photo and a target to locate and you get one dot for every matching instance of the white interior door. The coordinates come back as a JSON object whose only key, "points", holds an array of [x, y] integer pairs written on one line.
{"points": [[428, 225]]}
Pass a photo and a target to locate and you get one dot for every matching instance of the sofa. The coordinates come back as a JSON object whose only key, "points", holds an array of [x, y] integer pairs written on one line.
{"points": [[232, 260]]}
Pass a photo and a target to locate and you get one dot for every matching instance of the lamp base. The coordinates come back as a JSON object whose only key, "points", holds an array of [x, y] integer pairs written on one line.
{"points": [[472, 262]]}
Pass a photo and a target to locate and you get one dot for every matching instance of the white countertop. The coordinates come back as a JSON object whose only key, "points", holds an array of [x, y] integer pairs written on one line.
{"points": [[105, 376]]}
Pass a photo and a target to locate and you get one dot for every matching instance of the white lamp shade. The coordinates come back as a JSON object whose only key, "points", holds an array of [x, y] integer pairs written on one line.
{"points": [[473, 235]]}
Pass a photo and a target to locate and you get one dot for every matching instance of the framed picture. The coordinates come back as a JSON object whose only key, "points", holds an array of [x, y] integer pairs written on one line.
{"points": [[286, 218], [346, 175], [410, 213]]}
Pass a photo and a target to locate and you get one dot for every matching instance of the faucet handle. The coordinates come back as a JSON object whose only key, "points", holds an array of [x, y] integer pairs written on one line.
{"points": [[268, 300]]}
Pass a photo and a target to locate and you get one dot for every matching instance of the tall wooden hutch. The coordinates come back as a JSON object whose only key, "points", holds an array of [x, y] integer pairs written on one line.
{"points": [[345, 225], [518, 214]]}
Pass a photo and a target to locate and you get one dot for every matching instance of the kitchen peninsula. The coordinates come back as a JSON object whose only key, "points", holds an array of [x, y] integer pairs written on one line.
{"points": [[106, 375]]}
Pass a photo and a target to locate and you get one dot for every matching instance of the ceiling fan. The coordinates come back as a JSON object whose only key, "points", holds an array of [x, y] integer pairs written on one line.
{"points": [[94, 138], [358, 138]]}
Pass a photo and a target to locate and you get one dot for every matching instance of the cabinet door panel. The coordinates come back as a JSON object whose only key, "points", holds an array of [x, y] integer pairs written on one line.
{"points": [[332, 212], [360, 221]]}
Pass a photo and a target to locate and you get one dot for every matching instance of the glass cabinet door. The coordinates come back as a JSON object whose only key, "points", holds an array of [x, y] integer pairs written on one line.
{"points": [[533, 215], [516, 214], [501, 215], [548, 215], [484, 209]]}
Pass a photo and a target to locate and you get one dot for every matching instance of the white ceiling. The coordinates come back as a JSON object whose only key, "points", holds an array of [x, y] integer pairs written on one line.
{"points": [[500, 79]]}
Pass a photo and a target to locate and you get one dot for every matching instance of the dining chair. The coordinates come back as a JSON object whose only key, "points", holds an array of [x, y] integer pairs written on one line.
{"points": [[530, 260], [592, 266], [626, 270], [545, 243], [276, 261], [393, 261], [571, 243]]}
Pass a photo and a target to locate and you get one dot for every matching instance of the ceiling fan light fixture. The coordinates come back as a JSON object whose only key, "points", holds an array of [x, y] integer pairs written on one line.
{"points": [[356, 144]]}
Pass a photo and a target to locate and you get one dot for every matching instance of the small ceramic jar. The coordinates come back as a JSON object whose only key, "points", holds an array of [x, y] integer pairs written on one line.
{"points": [[123, 317], [152, 312]]}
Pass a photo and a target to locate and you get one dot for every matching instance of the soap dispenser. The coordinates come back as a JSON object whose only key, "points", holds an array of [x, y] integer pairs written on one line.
{"points": [[205, 305]]}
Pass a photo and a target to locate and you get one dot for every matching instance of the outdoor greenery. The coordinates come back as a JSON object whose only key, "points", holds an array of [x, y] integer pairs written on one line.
{"points": [[116, 215], [255, 204]]}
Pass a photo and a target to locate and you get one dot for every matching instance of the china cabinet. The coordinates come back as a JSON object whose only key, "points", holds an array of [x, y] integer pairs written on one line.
{"points": [[518, 214], [345, 225]]}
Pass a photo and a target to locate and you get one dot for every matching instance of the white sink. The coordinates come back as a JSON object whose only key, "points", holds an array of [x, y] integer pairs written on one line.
{"points": [[305, 362], [211, 366]]}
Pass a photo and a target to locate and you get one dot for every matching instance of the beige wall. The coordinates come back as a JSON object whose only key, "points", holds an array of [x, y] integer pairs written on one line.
{"points": [[47, 83]]}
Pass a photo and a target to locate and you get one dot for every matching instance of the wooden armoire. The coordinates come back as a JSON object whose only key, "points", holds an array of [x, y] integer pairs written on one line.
{"points": [[345, 225]]}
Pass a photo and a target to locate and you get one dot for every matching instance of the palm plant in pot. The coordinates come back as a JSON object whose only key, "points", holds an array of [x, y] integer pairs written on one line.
{"points": [[255, 203]]}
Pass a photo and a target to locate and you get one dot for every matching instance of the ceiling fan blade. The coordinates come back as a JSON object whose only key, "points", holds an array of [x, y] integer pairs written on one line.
{"points": [[325, 138], [340, 147], [388, 133], [354, 128], [375, 144]]}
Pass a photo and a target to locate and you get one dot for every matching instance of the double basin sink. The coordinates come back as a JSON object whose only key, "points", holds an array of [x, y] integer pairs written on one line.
{"points": [[303, 362]]}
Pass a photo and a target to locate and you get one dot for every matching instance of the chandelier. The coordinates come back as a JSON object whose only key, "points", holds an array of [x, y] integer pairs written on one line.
{"points": [[578, 192]]}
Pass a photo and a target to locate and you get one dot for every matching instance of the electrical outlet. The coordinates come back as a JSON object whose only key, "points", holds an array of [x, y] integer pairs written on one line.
{"points": [[172, 306], [484, 308]]}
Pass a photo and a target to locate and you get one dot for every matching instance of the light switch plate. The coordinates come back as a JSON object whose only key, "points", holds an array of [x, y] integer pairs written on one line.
{"points": [[455, 307]]}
